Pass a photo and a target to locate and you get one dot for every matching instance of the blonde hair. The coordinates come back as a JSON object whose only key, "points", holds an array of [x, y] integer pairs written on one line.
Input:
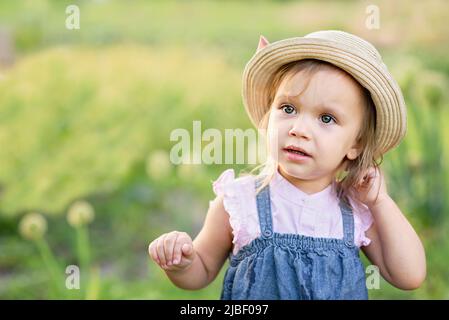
{"points": [[354, 169]]}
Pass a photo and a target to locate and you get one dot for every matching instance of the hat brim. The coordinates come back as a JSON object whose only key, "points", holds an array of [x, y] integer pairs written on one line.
{"points": [[365, 67]]}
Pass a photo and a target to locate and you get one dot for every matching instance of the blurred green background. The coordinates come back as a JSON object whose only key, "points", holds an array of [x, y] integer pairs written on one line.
{"points": [[86, 115]]}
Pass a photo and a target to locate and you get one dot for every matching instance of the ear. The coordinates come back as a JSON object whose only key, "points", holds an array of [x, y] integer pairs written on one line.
{"points": [[354, 152], [263, 42]]}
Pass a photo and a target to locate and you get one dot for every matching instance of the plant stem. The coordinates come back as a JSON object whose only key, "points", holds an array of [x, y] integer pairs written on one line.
{"points": [[52, 266], [83, 255]]}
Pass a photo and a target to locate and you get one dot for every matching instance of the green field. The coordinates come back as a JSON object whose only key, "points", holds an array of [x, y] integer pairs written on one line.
{"points": [[87, 114]]}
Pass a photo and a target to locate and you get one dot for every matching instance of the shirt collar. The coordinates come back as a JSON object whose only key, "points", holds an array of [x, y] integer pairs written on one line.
{"points": [[290, 192]]}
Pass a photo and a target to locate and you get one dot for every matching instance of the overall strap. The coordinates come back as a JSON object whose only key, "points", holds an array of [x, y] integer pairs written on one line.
{"points": [[348, 224], [264, 211]]}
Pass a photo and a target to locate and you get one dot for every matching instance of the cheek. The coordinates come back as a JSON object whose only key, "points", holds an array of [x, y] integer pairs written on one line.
{"points": [[274, 126], [278, 126], [333, 145], [272, 134], [279, 134]]}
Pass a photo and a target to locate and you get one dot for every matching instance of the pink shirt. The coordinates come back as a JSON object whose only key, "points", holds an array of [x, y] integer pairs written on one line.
{"points": [[293, 211]]}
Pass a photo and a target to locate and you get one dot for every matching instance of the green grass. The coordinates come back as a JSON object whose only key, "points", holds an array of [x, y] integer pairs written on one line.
{"points": [[83, 112]]}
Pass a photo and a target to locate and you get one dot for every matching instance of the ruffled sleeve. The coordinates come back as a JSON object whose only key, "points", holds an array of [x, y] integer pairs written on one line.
{"points": [[235, 201], [225, 178], [363, 220]]}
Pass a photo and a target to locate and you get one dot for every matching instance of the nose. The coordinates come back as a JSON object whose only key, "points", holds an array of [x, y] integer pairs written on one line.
{"points": [[300, 128]]}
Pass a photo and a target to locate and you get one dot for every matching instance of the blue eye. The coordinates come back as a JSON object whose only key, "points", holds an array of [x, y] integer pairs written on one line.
{"points": [[327, 118], [288, 109]]}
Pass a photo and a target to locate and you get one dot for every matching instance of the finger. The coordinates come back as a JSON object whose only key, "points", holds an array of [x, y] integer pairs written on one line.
{"points": [[187, 250], [152, 252], [160, 251], [374, 173], [177, 252], [169, 244], [367, 177], [363, 180]]}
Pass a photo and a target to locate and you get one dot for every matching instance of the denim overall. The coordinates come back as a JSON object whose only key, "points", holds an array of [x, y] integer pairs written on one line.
{"points": [[293, 266]]}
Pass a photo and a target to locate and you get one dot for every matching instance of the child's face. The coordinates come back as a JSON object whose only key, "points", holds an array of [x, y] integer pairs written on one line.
{"points": [[323, 116]]}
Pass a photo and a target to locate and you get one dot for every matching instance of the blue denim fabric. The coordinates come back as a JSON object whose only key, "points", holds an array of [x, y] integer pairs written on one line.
{"points": [[293, 266]]}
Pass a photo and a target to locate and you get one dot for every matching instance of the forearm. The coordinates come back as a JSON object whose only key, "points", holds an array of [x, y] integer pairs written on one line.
{"points": [[193, 277], [402, 250]]}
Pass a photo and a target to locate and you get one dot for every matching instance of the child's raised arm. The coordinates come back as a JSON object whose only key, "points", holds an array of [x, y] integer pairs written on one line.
{"points": [[202, 259], [395, 247]]}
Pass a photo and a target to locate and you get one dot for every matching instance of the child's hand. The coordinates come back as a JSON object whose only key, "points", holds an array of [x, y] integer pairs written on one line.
{"points": [[371, 188], [172, 251]]}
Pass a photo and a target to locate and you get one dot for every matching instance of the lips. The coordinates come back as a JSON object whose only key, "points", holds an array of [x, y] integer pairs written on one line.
{"points": [[297, 150]]}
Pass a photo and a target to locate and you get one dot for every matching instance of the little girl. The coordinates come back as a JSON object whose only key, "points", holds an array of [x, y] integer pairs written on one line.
{"points": [[330, 110]]}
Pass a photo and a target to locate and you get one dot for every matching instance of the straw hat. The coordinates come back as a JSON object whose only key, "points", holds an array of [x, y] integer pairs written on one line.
{"points": [[354, 55]]}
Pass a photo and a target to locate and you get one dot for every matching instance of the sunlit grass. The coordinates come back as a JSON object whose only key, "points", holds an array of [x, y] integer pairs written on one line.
{"points": [[88, 114]]}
